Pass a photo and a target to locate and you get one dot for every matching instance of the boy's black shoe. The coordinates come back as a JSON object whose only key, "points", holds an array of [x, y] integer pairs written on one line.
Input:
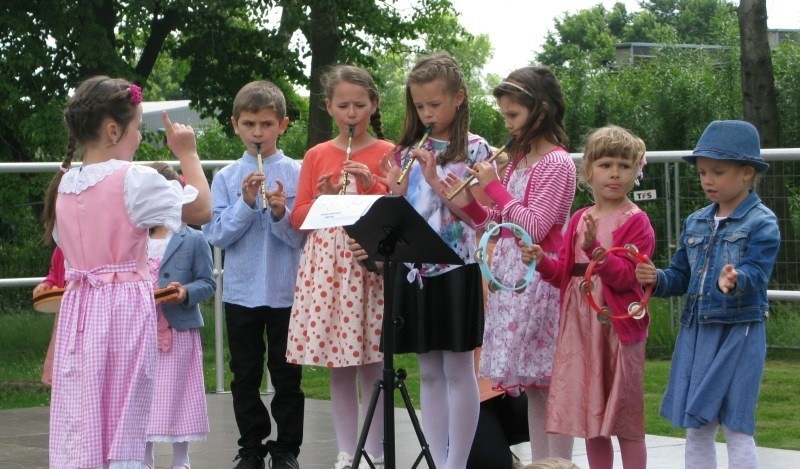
{"points": [[249, 461], [283, 460]]}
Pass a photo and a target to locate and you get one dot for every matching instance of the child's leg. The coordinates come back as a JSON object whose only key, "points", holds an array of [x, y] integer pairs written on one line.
{"points": [[288, 402], [180, 454], [149, 456], [741, 449], [344, 400], [434, 400], [368, 375], [537, 406], [544, 445], [700, 451], [462, 385], [246, 343], [633, 452], [600, 453]]}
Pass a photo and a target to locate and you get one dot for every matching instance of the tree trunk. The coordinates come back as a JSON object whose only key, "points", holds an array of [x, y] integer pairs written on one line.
{"points": [[324, 41], [160, 28], [761, 109]]}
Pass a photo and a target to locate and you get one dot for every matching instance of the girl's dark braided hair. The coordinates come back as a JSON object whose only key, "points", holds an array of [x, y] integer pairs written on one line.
{"points": [[96, 99]]}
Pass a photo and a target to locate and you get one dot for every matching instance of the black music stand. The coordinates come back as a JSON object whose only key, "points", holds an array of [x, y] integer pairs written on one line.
{"points": [[391, 230]]}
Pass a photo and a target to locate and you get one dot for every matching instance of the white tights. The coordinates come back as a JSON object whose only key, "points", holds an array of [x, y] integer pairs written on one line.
{"points": [[450, 405], [544, 445], [180, 454], [701, 453], [344, 400]]}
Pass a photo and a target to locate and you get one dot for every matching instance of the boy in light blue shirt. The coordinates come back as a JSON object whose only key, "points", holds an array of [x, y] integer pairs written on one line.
{"points": [[262, 253]]}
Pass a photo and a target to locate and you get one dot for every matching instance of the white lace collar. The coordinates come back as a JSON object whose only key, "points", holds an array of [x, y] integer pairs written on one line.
{"points": [[78, 179]]}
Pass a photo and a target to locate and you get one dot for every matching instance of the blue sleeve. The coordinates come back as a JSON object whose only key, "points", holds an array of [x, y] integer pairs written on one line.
{"points": [[282, 229], [759, 258], [203, 284], [230, 219], [674, 280]]}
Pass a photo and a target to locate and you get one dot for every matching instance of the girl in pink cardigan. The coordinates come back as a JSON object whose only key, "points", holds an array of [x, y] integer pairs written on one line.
{"points": [[596, 389]]}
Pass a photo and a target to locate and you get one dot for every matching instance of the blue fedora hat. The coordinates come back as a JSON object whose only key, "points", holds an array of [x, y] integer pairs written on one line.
{"points": [[731, 141]]}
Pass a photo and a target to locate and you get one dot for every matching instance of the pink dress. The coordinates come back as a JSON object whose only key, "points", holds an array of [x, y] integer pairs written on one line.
{"points": [[179, 410], [105, 346], [596, 385], [519, 337]]}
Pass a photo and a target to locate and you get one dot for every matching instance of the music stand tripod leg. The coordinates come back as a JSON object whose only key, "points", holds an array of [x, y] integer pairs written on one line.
{"points": [[391, 381]]}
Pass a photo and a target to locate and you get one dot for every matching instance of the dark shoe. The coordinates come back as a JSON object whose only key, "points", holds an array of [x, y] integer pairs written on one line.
{"points": [[249, 461], [283, 460]]}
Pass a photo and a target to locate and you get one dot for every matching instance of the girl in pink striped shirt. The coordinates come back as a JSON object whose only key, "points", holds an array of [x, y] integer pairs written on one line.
{"points": [[536, 193]]}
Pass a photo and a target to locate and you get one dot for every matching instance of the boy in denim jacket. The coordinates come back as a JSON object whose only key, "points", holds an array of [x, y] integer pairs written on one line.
{"points": [[723, 265]]}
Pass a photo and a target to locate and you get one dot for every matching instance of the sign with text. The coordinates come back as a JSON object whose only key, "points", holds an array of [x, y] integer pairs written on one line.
{"points": [[640, 196]]}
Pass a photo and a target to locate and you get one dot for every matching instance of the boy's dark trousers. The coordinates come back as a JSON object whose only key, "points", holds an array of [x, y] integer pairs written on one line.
{"points": [[246, 328]]}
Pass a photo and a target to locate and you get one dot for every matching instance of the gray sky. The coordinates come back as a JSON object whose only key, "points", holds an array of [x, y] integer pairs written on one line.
{"points": [[517, 28]]}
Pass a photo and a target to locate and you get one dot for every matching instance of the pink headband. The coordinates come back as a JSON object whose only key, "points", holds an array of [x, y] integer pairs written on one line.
{"points": [[135, 94]]}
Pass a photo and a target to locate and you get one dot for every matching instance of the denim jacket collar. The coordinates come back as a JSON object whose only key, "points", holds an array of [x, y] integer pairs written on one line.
{"points": [[748, 203]]}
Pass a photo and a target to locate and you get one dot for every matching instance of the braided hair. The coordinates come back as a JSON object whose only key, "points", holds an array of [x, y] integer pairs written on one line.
{"points": [[439, 66], [96, 99], [356, 76]]}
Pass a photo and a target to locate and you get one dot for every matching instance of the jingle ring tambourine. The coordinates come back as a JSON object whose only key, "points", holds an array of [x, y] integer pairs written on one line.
{"points": [[493, 229], [637, 309]]}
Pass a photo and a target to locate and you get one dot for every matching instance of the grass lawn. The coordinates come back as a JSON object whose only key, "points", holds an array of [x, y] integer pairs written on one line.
{"points": [[24, 338]]}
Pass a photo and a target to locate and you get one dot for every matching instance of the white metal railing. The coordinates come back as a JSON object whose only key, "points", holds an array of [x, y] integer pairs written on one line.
{"points": [[653, 157]]}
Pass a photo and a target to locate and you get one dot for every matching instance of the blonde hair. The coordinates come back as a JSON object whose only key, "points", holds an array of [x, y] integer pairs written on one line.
{"points": [[614, 141], [439, 66], [551, 463]]}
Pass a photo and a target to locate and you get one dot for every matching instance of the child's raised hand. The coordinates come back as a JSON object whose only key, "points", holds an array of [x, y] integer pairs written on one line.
{"points": [[646, 273], [391, 173], [530, 252], [450, 183], [427, 162], [727, 278], [325, 186], [182, 293], [277, 201], [180, 138], [251, 188], [590, 235], [360, 171], [484, 172]]}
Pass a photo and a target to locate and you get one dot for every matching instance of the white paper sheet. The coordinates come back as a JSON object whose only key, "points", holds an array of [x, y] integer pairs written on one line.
{"points": [[337, 210]]}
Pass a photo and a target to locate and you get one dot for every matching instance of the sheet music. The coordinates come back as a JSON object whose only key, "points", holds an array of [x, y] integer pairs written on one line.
{"points": [[337, 210]]}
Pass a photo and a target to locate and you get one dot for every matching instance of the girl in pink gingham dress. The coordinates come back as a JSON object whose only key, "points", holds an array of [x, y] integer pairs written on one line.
{"points": [[99, 215]]}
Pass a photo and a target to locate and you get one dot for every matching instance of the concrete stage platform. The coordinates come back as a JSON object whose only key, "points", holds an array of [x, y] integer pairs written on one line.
{"points": [[23, 442]]}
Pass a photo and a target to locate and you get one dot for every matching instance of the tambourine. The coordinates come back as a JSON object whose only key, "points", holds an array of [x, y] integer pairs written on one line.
{"points": [[49, 301], [482, 257], [637, 309], [165, 294]]}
